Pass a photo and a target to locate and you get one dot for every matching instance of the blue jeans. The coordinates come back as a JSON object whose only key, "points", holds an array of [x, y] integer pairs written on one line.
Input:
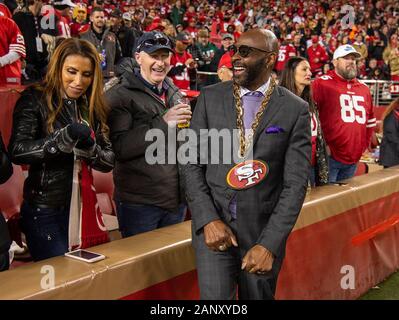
{"points": [[340, 171], [46, 230], [138, 218]]}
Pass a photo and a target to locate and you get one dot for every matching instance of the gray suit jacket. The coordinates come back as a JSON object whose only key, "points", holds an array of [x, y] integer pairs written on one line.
{"points": [[267, 212]]}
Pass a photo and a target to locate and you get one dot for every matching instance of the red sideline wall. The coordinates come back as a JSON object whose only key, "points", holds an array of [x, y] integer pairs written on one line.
{"points": [[316, 255]]}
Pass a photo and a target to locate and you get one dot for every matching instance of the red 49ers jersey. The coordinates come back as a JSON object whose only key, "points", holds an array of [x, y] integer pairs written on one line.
{"points": [[4, 11], [284, 53], [313, 128], [346, 115], [182, 80], [11, 39]]}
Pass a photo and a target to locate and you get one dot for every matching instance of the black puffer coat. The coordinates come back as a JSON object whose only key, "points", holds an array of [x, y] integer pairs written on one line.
{"points": [[135, 110]]}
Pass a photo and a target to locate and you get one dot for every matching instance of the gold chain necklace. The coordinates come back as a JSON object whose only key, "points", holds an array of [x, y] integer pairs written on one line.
{"points": [[245, 143]]}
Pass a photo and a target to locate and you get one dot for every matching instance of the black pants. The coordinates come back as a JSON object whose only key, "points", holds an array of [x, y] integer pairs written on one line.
{"points": [[220, 274], [4, 261]]}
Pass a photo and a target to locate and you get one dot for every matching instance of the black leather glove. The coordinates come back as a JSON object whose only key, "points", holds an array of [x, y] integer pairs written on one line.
{"points": [[78, 131], [86, 144]]}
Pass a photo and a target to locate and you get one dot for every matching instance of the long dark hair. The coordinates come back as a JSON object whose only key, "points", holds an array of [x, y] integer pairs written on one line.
{"points": [[288, 81], [52, 84], [393, 105]]}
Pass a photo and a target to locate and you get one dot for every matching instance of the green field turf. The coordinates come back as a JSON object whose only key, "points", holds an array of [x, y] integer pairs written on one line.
{"points": [[387, 290]]}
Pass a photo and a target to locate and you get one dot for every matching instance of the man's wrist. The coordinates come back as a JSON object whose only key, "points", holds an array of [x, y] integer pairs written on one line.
{"points": [[268, 252]]}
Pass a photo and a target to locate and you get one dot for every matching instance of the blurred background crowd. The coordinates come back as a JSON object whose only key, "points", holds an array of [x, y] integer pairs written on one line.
{"points": [[203, 31]]}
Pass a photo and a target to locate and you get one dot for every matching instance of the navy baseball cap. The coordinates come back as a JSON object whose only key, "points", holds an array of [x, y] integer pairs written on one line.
{"points": [[152, 41]]}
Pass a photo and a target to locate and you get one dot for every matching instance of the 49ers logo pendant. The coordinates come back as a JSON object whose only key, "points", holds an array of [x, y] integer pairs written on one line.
{"points": [[247, 174]]}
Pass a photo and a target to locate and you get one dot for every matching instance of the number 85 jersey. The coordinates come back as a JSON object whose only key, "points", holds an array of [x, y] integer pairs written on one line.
{"points": [[346, 115]]}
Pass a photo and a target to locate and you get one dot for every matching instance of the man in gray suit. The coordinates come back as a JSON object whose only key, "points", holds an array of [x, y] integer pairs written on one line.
{"points": [[243, 213]]}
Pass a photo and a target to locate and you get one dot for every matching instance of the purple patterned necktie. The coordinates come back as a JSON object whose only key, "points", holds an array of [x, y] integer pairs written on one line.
{"points": [[251, 101], [254, 93]]}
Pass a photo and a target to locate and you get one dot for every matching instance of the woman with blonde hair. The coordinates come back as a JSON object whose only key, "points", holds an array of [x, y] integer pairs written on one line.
{"points": [[60, 131], [391, 56], [389, 149]]}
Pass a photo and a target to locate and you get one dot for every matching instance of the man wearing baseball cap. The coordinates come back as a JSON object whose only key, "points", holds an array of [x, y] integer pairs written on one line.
{"points": [[346, 113], [62, 12], [127, 19], [183, 65], [147, 193], [227, 43], [125, 35], [225, 68]]}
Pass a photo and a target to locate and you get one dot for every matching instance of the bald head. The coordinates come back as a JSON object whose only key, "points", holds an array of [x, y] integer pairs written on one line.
{"points": [[264, 39], [256, 55]]}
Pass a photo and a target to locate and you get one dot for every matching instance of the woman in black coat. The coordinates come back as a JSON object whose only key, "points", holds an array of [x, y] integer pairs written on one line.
{"points": [[60, 131], [389, 149], [5, 174]]}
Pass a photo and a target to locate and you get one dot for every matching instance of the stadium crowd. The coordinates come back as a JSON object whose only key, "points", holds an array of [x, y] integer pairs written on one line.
{"points": [[202, 32]]}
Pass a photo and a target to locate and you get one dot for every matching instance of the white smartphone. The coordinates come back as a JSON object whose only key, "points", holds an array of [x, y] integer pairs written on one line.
{"points": [[85, 255]]}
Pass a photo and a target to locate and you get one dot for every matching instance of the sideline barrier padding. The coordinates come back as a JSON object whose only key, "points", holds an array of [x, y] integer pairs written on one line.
{"points": [[160, 264], [321, 255]]}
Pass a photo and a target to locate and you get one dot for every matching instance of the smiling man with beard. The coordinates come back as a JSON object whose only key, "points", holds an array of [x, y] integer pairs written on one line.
{"points": [[147, 195], [346, 113], [243, 212]]}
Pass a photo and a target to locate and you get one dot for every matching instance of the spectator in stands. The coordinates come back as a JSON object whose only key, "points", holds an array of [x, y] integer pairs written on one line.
{"points": [[192, 28], [190, 13], [138, 18], [225, 68], [389, 149], [5, 241], [29, 22], [12, 49], [79, 24], [317, 56], [55, 122], [285, 52], [207, 50], [361, 69], [374, 72], [391, 56], [105, 42], [170, 30], [63, 17], [183, 66], [177, 13], [346, 113], [126, 37], [127, 20], [360, 46], [332, 46], [384, 34], [232, 30], [296, 77], [300, 47], [227, 42], [326, 68], [147, 195], [179, 28], [376, 47]]}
